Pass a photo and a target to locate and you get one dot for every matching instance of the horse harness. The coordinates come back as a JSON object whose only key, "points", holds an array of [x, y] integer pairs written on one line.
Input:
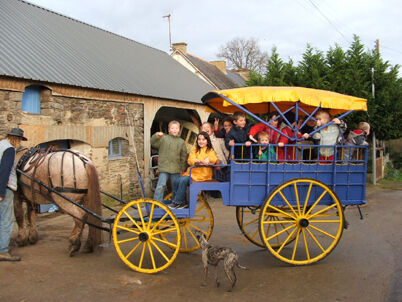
{"points": [[35, 157]]}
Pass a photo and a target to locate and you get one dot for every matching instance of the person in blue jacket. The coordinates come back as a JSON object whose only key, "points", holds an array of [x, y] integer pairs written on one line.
{"points": [[8, 185]]}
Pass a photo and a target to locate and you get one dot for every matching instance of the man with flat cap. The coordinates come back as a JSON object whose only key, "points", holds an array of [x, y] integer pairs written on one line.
{"points": [[8, 184]]}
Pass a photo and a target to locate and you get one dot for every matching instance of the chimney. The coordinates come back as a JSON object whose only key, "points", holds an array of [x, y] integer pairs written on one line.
{"points": [[180, 46], [221, 65], [244, 73]]}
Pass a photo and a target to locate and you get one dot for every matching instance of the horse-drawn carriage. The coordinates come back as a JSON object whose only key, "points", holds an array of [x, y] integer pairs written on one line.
{"points": [[294, 208]]}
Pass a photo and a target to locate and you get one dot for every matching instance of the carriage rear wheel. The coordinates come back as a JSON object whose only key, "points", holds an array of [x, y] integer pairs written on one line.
{"points": [[248, 221], [310, 230], [202, 221], [136, 235]]}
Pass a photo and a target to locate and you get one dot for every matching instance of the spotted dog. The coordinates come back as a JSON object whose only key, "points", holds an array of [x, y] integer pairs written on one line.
{"points": [[213, 254]]}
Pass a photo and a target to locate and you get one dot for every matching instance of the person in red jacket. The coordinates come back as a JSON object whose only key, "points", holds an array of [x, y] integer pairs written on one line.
{"points": [[285, 152], [261, 127]]}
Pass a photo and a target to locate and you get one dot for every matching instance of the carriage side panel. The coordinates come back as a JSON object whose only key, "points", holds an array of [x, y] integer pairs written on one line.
{"points": [[251, 182]]}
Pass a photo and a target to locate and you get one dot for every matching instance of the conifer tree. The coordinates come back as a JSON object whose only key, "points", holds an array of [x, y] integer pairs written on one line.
{"points": [[348, 72]]}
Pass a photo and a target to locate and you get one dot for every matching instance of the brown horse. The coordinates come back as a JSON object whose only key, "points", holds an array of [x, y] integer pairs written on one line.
{"points": [[68, 172]]}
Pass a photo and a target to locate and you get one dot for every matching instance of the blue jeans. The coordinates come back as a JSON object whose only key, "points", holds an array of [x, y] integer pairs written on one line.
{"points": [[6, 220], [179, 189], [161, 186]]}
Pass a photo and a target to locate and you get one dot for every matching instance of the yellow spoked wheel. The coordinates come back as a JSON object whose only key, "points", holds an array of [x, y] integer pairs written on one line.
{"points": [[248, 221], [137, 233], [202, 221], [310, 227]]}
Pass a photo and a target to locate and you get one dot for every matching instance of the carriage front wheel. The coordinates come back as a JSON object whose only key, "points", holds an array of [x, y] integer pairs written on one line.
{"points": [[137, 233], [311, 226], [202, 221]]}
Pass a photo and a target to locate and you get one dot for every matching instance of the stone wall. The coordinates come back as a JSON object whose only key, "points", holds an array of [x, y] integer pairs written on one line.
{"points": [[90, 125]]}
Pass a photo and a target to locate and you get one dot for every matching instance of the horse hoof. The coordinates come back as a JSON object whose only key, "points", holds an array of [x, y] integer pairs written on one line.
{"points": [[87, 249], [74, 247], [21, 241], [33, 237], [72, 251]]}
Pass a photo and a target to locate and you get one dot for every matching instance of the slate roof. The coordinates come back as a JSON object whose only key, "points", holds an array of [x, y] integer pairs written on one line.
{"points": [[38, 44], [236, 78], [221, 80]]}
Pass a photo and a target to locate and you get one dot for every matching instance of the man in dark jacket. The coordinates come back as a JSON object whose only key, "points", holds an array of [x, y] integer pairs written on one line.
{"points": [[8, 184]]}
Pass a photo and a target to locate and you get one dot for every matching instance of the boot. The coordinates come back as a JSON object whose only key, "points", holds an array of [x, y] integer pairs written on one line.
{"points": [[8, 257]]}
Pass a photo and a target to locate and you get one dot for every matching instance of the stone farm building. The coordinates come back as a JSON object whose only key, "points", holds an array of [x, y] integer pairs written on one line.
{"points": [[73, 85]]}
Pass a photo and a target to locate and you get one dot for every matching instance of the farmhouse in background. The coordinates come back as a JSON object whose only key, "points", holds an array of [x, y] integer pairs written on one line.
{"points": [[214, 73], [72, 85]]}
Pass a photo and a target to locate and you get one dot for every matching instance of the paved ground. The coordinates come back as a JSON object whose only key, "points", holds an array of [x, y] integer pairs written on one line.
{"points": [[365, 266]]}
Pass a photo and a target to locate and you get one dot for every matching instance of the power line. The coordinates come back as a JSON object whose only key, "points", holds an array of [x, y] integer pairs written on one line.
{"points": [[391, 49], [326, 18]]}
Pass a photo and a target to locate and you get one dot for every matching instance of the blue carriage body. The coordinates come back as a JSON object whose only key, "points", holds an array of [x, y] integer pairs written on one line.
{"points": [[252, 181]]}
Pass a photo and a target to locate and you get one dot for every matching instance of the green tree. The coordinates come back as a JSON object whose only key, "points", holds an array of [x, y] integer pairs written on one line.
{"points": [[275, 70], [312, 70], [277, 73], [336, 62], [385, 109], [348, 72], [290, 71], [357, 76]]}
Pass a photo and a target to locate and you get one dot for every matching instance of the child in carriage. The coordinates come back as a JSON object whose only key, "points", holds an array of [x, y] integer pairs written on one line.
{"points": [[331, 135], [274, 121], [239, 134], [218, 144], [172, 156], [202, 154], [285, 152], [357, 138], [264, 153], [227, 126]]}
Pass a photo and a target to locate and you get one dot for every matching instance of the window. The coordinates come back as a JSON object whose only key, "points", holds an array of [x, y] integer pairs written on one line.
{"points": [[184, 133], [31, 99], [193, 137], [118, 147]]}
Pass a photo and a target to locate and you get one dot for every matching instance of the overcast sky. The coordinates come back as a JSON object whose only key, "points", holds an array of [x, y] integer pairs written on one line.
{"points": [[205, 25]]}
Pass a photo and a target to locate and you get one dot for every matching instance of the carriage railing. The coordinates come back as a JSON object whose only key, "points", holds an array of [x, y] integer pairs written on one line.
{"points": [[299, 111], [305, 153]]}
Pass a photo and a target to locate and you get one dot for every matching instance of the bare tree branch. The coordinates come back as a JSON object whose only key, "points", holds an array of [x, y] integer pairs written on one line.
{"points": [[241, 53]]}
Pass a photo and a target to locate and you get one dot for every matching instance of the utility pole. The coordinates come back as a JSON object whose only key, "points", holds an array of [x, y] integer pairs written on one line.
{"points": [[170, 31], [373, 133]]}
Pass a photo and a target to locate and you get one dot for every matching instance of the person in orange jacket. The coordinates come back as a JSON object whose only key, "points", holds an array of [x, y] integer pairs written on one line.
{"points": [[202, 154]]}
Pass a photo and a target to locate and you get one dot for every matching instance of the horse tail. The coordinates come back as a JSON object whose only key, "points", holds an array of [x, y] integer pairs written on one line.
{"points": [[95, 205]]}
